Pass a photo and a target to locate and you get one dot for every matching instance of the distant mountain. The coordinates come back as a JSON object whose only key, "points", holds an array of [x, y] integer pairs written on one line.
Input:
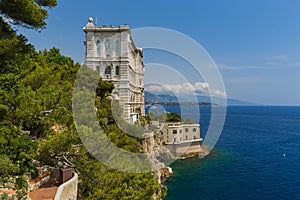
{"points": [[168, 99], [159, 98], [220, 101], [235, 102], [151, 98]]}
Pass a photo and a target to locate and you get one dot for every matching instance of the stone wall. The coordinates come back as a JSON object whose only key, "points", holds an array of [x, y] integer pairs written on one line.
{"points": [[39, 181], [185, 149], [108, 48]]}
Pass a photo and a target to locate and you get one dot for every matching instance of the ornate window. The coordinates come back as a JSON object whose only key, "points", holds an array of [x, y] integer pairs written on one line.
{"points": [[108, 70], [117, 70], [98, 46], [118, 48], [107, 47], [132, 99]]}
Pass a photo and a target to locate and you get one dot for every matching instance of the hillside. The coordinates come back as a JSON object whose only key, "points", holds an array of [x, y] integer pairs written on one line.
{"points": [[37, 125], [151, 98]]}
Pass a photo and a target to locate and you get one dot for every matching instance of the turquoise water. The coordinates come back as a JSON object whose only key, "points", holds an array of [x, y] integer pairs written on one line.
{"points": [[257, 157]]}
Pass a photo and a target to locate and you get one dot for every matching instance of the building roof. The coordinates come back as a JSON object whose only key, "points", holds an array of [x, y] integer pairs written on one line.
{"points": [[91, 27]]}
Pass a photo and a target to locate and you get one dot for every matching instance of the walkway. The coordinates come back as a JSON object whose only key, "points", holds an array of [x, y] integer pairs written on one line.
{"points": [[43, 193]]}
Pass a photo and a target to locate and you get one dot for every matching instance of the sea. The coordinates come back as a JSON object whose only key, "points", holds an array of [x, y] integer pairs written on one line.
{"points": [[256, 157]]}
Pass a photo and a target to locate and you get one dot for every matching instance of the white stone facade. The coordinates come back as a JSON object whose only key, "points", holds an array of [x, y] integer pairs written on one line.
{"points": [[112, 52], [178, 133]]}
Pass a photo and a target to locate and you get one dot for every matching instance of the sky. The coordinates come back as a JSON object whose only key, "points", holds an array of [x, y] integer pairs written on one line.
{"points": [[255, 44]]}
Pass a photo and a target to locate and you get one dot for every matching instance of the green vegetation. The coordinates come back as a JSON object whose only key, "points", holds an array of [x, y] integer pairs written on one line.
{"points": [[189, 121], [36, 119], [28, 13], [164, 117]]}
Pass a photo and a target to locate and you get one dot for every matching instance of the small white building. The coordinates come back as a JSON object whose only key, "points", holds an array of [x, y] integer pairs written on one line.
{"points": [[110, 51], [178, 133]]}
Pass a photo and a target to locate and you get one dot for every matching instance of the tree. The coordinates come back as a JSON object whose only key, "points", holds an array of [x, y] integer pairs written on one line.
{"points": [[7, 167], [13, 49], [189, 121], [18, 149], [45, 92], [27, 13], [36, 95], [173, 117], [102, 182]]}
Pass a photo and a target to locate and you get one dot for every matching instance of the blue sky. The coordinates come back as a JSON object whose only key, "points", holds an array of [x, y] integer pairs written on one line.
{"points": [[255, 43]]}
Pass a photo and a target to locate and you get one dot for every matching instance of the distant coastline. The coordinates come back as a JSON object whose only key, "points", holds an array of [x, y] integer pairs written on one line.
{"points": [[147, 103], [186, 100]]}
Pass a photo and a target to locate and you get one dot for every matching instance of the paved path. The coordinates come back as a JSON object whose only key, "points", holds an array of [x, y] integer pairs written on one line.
{"points": [[43, 193]]}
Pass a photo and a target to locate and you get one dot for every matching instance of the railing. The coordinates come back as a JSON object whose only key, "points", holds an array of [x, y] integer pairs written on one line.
{"points": [[68, 190]]}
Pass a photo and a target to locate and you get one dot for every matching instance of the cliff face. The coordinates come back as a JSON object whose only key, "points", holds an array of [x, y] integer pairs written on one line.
{"points": [[154, 149], [158, 156]]}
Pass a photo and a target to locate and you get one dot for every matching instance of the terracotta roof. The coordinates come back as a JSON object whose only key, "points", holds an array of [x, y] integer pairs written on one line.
{"points": [[8, 191], [43, 194], [39, 177]]}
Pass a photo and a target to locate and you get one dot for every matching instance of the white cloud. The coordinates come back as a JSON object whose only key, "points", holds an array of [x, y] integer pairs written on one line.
{"points": [[283, 57], [242, 67], [199, 88]]}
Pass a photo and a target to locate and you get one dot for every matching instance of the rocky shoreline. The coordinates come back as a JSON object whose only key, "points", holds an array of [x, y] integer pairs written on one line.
{"points": [[159, 154]]}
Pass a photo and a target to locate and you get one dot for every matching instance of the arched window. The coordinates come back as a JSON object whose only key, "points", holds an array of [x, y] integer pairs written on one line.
{"points": [[98, 46], [132, 98], [118, 48], [108, 70], [117, 70], [98, 68], [107, 46]]}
